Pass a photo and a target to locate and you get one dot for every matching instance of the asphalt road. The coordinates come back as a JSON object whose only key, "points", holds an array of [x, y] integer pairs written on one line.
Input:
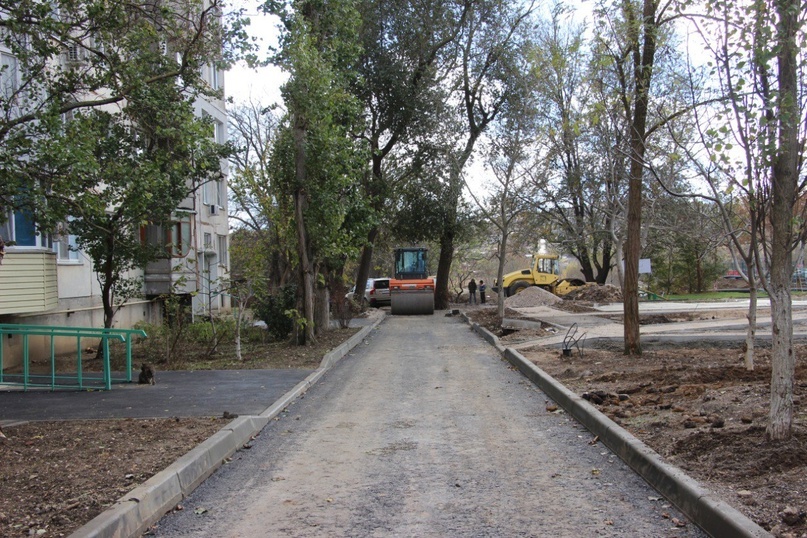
{"points": [[177, 394], [424, 431]]}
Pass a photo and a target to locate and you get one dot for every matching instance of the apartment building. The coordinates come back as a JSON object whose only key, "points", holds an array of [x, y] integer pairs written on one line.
{"points": [[46, 280]]}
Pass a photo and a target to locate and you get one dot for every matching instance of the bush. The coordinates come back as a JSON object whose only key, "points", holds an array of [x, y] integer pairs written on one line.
{"points": [[271, 309]]}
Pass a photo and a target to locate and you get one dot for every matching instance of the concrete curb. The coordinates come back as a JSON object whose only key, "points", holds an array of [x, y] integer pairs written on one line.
{"points": [[708, 512], [142, 507]]}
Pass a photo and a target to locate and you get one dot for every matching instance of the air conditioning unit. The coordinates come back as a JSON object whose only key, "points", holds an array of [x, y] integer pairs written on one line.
{"points": [[214, 209]]}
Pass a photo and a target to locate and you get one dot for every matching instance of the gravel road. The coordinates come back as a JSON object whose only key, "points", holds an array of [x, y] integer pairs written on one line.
{"points": [[424, 431]]}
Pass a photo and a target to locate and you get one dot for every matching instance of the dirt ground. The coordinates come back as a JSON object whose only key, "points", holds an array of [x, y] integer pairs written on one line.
{"points": [[694, 404], [699, 408], [57, 476]]}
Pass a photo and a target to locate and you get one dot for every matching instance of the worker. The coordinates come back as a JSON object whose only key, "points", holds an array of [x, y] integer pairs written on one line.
{"points": [[472, 292], [482, 288]]}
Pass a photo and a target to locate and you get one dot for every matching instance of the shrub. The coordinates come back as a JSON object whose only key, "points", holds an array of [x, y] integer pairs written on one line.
{"points": [[271, 309]]}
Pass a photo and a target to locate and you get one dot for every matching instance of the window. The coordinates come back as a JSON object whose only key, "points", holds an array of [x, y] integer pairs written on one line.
{"points": [[74, 52], [21, 229], [221, 194], [8, 75], [548, 265], [222, 239], [176, 238], [181, 236], [208, 242], [220, 132], [66, 247], [215, 77]]}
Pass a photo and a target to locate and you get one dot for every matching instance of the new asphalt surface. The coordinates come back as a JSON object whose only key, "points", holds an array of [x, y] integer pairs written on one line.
{"points": [[176, 394]]}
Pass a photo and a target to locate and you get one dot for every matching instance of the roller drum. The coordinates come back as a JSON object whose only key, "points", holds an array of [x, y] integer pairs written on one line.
{"points": [[412, 302]]}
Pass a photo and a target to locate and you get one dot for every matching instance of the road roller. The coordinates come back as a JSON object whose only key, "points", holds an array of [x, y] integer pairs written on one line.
{"points": [[411, 289]]}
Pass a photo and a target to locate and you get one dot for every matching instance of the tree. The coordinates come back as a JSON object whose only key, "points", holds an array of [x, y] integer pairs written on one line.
{"points": [[315, 158], [571, 194], [127, 169], [683, 250], [67, 57], [628, 41], [778, 34], [759, 66], [492, 51], [247, 277], [258, 207], [406, 50], [507, 154]]}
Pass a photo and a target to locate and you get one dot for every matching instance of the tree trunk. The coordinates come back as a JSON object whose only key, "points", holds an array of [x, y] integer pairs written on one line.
{"points": [[300, 204], [785, 194], [364, 265], [500, 276], [750, 335], [441, 296], [322, 319], [642, 74], [630, 290]]}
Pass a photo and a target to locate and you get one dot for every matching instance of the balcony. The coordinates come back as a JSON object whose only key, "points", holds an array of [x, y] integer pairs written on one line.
{"points": [[28, 281], [168, 276]]}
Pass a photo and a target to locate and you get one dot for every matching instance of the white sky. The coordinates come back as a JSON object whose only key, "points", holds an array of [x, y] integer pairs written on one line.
{"points": [[261, 86]]}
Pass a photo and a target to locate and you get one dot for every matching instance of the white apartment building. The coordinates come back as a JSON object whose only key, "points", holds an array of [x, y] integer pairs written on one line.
{"points": [[45, 280]]}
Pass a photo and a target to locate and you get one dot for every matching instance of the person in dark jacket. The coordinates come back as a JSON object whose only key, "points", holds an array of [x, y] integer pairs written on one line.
{"points": [[482, 289], [472, 292]]}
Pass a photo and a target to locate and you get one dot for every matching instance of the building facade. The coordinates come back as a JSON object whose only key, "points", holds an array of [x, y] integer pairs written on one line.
{"points": [[46, 280]]}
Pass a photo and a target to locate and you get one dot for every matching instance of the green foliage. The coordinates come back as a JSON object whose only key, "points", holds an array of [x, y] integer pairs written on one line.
{"points": [[272, 309], [78, 56]]}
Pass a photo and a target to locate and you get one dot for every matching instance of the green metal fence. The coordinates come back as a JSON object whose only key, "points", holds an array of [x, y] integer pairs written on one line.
{"points": [[67, 380]]}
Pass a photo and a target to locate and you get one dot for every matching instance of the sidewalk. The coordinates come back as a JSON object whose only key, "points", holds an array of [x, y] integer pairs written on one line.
{"points": [[597, 326]]}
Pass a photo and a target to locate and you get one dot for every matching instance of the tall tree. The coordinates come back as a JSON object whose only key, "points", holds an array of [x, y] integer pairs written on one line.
{"points": [[129, 168], [784, 113], [507, 155], [570, 192], [71, 56], [256, 201], [629, 38], [491, 72], [316, 159], [406, 50]]}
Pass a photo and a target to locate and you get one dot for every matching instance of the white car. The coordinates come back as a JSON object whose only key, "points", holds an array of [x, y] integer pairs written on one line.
{"points": [[376, 293]]}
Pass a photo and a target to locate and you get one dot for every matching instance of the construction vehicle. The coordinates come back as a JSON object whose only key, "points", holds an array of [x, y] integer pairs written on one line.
{"points": [[544, 273], [411, 289]]}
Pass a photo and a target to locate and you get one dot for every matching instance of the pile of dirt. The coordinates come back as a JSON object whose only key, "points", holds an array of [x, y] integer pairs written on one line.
{"points": [[532, 296], [596, 293]]}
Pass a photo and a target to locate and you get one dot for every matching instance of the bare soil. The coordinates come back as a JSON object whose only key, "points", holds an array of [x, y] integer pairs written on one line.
{"points": [[57, 476], [700, 409], [695, 405]]}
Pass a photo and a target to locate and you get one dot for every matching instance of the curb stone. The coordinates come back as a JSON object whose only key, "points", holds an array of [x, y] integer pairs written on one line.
{"points": [[714, 516], [142, 507]]}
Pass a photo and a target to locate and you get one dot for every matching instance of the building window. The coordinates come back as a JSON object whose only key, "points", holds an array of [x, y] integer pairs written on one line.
{"points": [[8, 75], [19, 228], [215, 77], [176, 238], [181, 236], [222, 239], [208, 242], [74, 52], [66, 247], [221, 194]]}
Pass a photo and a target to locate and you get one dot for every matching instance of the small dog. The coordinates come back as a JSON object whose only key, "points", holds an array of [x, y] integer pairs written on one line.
{"points": [[146, 375]]}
